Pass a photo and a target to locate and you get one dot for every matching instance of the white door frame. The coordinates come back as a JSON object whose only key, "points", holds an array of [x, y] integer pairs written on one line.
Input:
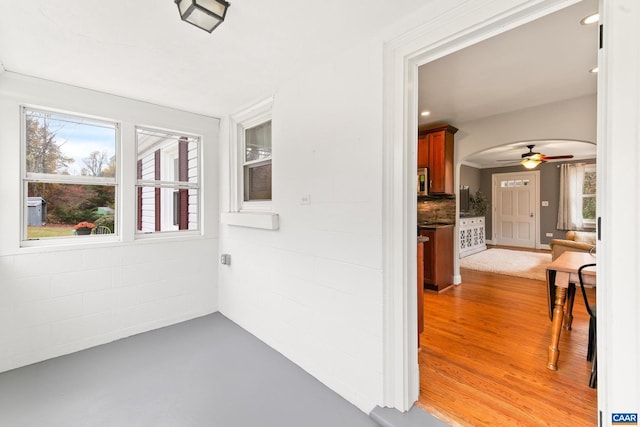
{"points": [[494, 203], [442, 36]]}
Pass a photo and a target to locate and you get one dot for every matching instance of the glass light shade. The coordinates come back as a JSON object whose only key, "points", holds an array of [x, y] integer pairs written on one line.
{"points": [[204, 14], [530, 163]]}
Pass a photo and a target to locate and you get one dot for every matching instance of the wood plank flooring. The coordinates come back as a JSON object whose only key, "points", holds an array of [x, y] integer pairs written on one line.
{"points": [[484, 352]]}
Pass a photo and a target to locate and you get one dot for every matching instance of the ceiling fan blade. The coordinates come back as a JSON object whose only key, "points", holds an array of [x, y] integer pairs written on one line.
{"points": [[566, 156]]}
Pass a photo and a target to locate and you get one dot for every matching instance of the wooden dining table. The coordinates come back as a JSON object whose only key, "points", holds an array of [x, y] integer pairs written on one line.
{"points": [[562, 274]]}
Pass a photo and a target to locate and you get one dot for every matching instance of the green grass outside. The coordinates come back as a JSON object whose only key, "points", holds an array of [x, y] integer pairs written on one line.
{"points": [[49, 231]]}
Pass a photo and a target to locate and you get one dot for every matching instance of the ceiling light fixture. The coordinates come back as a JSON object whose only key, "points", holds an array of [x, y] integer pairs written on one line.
{"points": [[530, 163], [591, 19], [425, 113], [204, 14], [594, 70]]}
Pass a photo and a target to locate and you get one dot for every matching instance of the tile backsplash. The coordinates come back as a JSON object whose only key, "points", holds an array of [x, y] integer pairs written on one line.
{"points": [[437, 209]]}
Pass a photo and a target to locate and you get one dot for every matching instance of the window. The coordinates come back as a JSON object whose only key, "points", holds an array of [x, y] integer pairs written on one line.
{"points": [[251, 151], [168, 181], [257, 163], [577, 203], [69, 176], [250, 185], [589, 196]]}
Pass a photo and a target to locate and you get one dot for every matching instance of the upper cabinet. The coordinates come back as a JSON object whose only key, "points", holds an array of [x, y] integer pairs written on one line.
{"points": [[435, 152]]}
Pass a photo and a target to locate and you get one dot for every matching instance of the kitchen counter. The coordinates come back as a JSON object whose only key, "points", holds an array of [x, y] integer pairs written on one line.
{"points": [[433, 226]]}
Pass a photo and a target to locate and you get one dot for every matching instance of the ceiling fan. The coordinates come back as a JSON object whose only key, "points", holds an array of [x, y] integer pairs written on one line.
{"points": [[532, 159]]}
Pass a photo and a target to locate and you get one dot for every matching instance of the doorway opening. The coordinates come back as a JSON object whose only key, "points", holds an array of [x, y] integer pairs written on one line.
{"points": [[482, 132]]}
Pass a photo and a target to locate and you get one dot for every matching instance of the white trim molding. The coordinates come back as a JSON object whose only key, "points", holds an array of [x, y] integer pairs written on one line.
{"points": [[254, 115]]}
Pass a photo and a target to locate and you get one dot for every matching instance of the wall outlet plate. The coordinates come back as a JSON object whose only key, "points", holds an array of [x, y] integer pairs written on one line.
{"points": [[225, 259], [549, 234]]}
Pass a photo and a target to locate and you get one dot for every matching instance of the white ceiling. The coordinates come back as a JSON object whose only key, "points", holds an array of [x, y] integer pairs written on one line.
{"points": [[142, 50], [545, 61]]}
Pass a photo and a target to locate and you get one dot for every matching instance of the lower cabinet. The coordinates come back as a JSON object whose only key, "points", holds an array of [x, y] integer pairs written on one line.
{"points": [[438, 257], [472, 236]]}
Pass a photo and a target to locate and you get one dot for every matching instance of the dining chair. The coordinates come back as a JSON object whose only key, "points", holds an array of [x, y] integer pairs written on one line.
{"points": [[102, 230], [591, 347]]}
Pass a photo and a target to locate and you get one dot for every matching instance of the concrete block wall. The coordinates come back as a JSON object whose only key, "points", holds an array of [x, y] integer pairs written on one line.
{"points": [[56, 299], [57, 303]]}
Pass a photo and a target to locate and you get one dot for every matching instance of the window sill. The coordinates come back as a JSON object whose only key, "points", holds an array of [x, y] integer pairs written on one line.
{"points": [[261, 220]]}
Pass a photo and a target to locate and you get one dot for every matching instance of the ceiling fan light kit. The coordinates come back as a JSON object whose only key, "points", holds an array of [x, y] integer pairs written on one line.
{"points": [[531, 159], [530, 163]]}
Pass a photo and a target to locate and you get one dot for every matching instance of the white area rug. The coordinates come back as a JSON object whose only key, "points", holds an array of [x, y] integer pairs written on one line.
{"points": [[530, 265]]}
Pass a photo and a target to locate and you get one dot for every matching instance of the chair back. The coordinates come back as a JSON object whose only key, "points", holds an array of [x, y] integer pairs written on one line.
{"points": [[584, 294], [103, 230]]}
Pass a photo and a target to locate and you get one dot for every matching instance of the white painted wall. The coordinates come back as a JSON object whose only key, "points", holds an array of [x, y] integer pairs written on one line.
{"points": [[313, 288], [56, 300]]}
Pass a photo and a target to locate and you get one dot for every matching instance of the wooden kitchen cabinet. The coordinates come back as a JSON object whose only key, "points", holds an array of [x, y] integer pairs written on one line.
{"points": [[438, 257], [435, 152]]}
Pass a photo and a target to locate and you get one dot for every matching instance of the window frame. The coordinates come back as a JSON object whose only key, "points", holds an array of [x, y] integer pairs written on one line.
{"points": [[164, 185], [27, 177], [240, 122]]}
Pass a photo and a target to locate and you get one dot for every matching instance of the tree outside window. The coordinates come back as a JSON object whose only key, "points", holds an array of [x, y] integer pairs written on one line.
{"points": [[69, 174]]}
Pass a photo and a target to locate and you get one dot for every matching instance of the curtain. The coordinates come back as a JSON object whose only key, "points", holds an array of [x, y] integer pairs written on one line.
{"points": [[570, 204]]}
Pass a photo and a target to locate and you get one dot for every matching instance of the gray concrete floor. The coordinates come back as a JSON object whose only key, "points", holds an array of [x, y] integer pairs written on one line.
{"points": [[204, 372]]}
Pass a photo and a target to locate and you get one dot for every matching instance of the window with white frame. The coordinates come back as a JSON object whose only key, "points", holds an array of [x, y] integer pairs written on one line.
{"points": [[257, 163], [168, 181], [252, 153], [69, 176]]}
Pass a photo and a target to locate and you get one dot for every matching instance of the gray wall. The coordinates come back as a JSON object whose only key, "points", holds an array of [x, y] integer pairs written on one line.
{"points": [[549, 191], [470, 176]]}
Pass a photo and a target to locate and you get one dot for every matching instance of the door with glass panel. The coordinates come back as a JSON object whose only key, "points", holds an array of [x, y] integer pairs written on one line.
{"points": [[515, 221]]}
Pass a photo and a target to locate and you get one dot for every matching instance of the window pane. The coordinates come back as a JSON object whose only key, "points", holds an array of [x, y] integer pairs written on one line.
{"points": [[167, 209], [53, 210], [67, 145], [589, 183], [589, 208], [167, 157], [257, 182], [258, 142]]}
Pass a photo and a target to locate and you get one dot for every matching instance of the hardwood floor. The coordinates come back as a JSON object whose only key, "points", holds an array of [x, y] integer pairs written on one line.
{"points": [[484, 352]]}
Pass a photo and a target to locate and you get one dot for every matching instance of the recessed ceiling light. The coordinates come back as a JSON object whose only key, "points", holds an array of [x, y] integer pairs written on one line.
{"points": [[594, 70], [425, 113], [591, 19]]}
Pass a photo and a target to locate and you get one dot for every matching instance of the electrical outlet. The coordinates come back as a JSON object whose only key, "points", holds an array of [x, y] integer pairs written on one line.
{"points": [[305, 199], [549, 234], [225, 259], [545, 203]]}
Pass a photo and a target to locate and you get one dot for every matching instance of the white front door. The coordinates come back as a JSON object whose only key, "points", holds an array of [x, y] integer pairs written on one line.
{"points": [[515, 213]]}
